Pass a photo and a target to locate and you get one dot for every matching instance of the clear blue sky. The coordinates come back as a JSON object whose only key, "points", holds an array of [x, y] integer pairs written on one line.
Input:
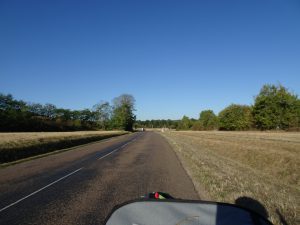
{"points": [[174, 57]]}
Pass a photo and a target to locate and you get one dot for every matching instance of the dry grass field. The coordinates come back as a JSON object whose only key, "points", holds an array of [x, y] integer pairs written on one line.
{"points": [[15, 146], [14, 140], [264, 166]]}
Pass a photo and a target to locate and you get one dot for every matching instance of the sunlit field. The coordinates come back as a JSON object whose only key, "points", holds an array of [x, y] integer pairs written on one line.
{"points": [[227, 165]]}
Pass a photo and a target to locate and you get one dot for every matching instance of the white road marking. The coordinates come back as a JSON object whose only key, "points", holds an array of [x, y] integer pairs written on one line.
{"points": [[37, 191], [64, 177], [113, 151], [109, 153], [116, 149]]}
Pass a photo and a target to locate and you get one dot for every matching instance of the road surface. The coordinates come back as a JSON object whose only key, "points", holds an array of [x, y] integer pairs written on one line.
{"points": [[81, 186]]}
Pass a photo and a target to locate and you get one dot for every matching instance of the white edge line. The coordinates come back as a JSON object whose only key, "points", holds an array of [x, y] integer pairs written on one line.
{"points": [[33, 193], [54, 182]]}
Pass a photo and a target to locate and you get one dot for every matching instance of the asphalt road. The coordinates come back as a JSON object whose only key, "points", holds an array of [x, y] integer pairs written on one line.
{"points": [[81, 186]]}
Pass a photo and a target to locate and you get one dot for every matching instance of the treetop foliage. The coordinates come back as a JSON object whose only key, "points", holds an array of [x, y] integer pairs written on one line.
{"points": [[172, 124], [21, 116], [122, 115], [276, 108], [185, 123], [208, 120], [236, 117]]}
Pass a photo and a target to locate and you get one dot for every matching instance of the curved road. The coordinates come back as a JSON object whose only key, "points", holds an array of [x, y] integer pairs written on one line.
{"points": [[81, 186]]}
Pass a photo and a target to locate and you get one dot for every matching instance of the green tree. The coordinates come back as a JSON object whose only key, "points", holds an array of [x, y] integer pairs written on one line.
{"points": [[122, 115], [36, 109], [49, 110], [208, 120], [185, 123], [63, 114], [276, 108], [102, 112], [236, 117], [297, 119], [14, 114], [197, 126]]}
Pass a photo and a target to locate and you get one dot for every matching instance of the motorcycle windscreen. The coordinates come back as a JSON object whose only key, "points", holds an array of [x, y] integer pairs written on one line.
{"points": [[183, 213]]}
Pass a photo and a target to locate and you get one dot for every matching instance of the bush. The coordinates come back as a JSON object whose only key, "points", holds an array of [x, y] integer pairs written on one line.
{"points": [[185, 123], [208, 120], [236, 117], [276, 108]]}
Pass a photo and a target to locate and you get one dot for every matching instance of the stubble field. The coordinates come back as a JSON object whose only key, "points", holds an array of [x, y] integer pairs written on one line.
{"points": [[16, 146], [261, 166]]}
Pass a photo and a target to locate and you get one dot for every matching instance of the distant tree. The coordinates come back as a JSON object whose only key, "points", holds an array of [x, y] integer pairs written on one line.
{"points": [[236, 117], [276, 108], [122, 114], [172, 124], [64, 114], [86, 115], [208, 120], [297, 119], [7, 112], [75, 114], [14, 114], [185, 123], [36, 108], [6, 101], [17, 115], [197, 125], [103, 113], [49, 110]]}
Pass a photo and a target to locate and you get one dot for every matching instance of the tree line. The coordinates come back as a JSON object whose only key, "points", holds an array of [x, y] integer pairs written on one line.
{"points": [[172, 124], [18, 115], [274, 108]]}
